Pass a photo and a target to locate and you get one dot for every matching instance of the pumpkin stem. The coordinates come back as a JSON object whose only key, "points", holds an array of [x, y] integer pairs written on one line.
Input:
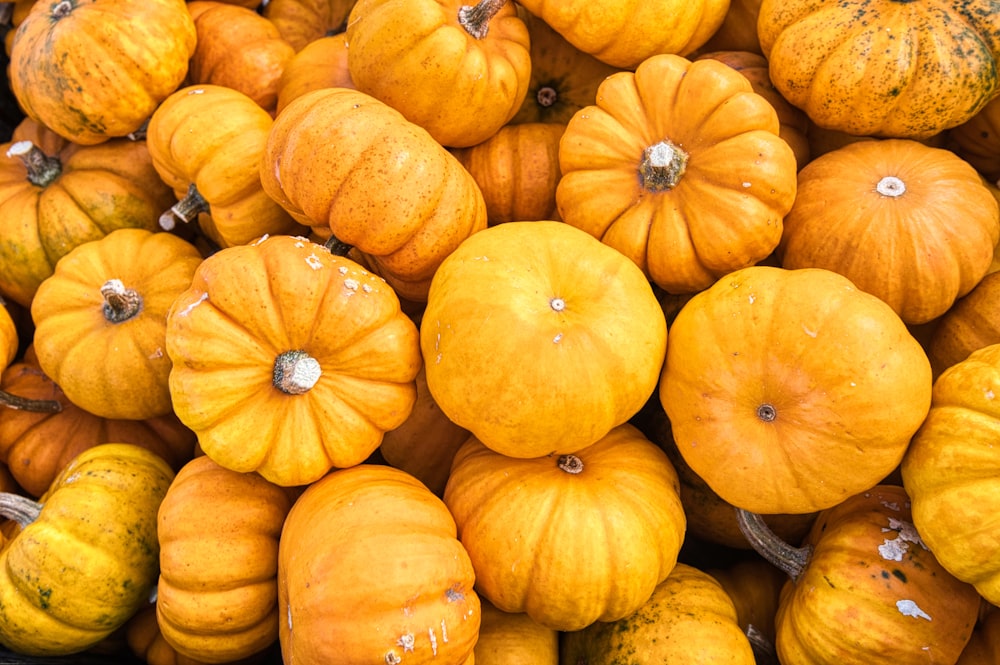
{"points": [[120, 303], [476, 18], [62, 9], [42, 169], [31, 405], [19, 508], [337, 246], [295, 372], [891, 186], [546, 96], [186, 210], [791, 560], [140, 133], [662, 166], [764, 652], [571, 464]]}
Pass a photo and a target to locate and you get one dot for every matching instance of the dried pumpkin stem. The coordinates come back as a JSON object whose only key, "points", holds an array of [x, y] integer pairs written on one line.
{"points": [[546, 96], [120, 303], [186, 210], [891, 186], [61, 9], [32, 405], [337, 246], [476, 18], [295, 372], [791, 560], [42, 169], [571, 464], [764, 652], [662, 166], [19, 508]]}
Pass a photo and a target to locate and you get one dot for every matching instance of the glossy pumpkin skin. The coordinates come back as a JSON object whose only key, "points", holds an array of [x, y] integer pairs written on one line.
{"points": [[288, 360], [418, 56], [91, 70], [321, 63], [972, 323], [524, 309], [569, 539], [507, 638], [871, 576], [911, 224], [212, 137], [378, 524], [688, 620], [302, 22], [88, 562], [769, 361], [883, 68], [80, 314], [680, 167], [217, 595], [342, 161], [96, 190], [950, 471]]}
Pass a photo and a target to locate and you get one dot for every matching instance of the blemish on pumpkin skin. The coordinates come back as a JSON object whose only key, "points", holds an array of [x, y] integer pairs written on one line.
{"points": [[187, 310], [910, 609]]}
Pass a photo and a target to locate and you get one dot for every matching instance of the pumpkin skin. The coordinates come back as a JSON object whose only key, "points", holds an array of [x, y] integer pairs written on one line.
{"points": [[217, 595], [379, 524], [91, 70], [288, 360], [688, 620], [738, 31], [977, 140], [570, 539], [45, 212], [880, 67], [418, 56], [88, 561], [524, 309], [506, 638], [319, 64], [110, 297], [212, 137], [680, 167], [9, 340], [769, 361], [950, 472], [144, 639], [911, 224], [754, 585], [972, 323], [302, 22], [984, 647], [341, 161]]}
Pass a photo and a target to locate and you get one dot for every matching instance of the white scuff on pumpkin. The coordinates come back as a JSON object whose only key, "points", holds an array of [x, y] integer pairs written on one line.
{"points": [[893, 549]]}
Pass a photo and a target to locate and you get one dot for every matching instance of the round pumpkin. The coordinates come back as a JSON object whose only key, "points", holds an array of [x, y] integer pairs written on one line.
{"points": [[380, 525], [680, 167], [972, 323], [108, 300], [790, 390], [569, 539], [288, 360], [321, 63], [911, 224], [144, 639], [301, 22], [9, 340], [96, 69], [507, 638], [539, 339]]}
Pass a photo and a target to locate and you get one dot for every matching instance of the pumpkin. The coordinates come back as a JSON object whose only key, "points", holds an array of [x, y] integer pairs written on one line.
{"points": [[738, 31], [563, 80], [420, 56], [754, 585], [85, 559], [790, 390], [206, 143], [288, 360], [950, 471], [911, 224], [517, 170], [865, 570], [145, 641], [379, 524], [108, 299], [341, 160], [240, 49], [523, 338], [680, 167], [55, 195], [9, 340], [689, 620], [970, 324], [217, 595], [977, 140], [507, 638], [36, 442], [569, 539], [96, 69], [880, 67], [14, 15], [321, 63], [984, 647], [301, 22]]}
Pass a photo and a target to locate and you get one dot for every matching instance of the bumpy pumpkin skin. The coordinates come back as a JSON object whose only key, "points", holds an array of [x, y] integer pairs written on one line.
{"points": [[880, 67], [319, 64], [769, 361], [972, 323], [9, 341], [89, 561], [984, 647], [378, 524], [507, 638], [302, 22], [689, 620], [95, 69], [680, 167], [977, 140], [241, 339], [950, 471]]}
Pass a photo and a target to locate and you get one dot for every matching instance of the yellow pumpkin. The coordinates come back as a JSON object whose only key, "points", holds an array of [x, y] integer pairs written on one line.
{"points": [[507, 638], [302, 22]]}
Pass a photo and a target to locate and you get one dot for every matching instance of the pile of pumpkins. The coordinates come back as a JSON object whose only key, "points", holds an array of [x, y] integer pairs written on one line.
{"points": [[571, 332]]}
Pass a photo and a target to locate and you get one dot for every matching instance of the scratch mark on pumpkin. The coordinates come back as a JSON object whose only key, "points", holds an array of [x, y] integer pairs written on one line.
{"points": [[557, 338], [352, 284], [289, 617], [811, 333], [444, 632], [187, 310], [314, 262], [910, 609], [434, 641], [406, 641], [156, 354], [989, 394]]}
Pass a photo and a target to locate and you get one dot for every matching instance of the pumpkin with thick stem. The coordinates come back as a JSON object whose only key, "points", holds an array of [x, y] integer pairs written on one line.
{"points": [[865, 588], [95, 70], [100, 321], [85, 558]]}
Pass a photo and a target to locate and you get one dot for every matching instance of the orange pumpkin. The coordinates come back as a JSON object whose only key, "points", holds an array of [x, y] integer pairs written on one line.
{"points": [[9, 340], [302, 22], [972, 323], [984, 647], [680, 167], [754, 585], [507, 638], [145, 641], [977, 140], [321, 63], [738, 31]]}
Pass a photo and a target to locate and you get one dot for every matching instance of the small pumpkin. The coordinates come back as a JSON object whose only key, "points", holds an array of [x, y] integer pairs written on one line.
{"points": [[100, 321], [754, 585], [145, 641], [738, 31], [301, 22], [507, 638], [321, 63], [379, 524], [984, 646], [972, 323], [977, 140], [9, 339]]}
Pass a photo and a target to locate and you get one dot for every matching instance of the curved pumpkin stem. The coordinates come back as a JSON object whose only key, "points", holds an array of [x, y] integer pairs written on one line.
{"points": [[120, 303], [476, 18], [791, 560], [42, 169], [764, 652], [19, 508], [32, 405], [186, 210]]}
